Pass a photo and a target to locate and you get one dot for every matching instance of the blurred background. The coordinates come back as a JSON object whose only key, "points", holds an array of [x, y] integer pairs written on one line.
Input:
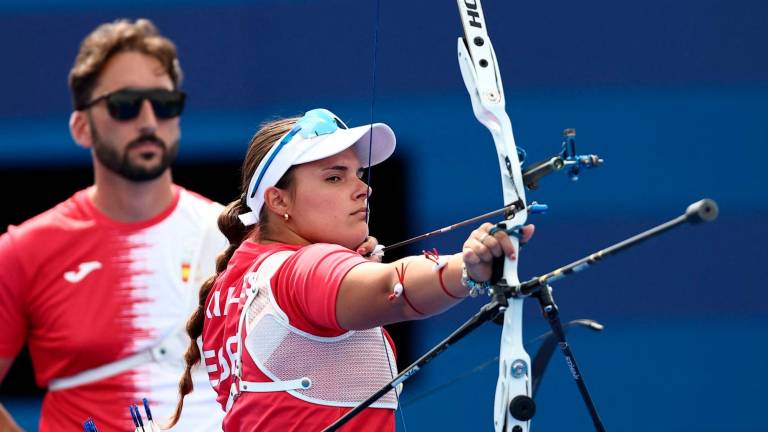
{"points": [[671, 94]]}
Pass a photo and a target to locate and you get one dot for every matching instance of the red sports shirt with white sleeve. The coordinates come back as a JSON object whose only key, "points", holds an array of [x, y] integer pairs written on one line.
{"points": [[305, 288], [84, 291]]}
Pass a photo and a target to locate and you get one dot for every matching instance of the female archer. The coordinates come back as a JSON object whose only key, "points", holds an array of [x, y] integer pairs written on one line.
{"points": [[291, 323]]}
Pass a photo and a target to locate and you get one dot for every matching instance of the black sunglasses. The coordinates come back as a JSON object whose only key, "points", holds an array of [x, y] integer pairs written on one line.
{"points": [[125, 104]]}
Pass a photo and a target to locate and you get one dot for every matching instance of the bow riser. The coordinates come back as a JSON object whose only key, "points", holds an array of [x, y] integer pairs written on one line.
{"points": [[480, 71], [482, 79]]}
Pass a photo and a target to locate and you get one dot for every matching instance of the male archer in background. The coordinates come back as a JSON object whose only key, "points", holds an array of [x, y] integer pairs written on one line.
{"points": [[100, 286]]}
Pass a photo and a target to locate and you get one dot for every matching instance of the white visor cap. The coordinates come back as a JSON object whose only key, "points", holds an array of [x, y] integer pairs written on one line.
{"points": [[373, 144], [376, 140]]}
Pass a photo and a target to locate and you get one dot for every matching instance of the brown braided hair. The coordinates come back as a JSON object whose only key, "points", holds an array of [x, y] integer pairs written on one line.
{"points": [[235, 232]]}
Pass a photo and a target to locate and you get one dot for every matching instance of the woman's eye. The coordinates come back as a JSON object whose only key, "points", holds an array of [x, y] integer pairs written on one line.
{"points": [[333, 179]]}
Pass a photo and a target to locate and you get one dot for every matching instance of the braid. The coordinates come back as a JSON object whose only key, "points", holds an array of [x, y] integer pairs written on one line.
{"points": [[235, 232]]}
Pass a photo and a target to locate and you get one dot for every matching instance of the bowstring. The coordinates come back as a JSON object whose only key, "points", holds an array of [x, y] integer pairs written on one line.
{"points": [[373, 103], [376, 20]]}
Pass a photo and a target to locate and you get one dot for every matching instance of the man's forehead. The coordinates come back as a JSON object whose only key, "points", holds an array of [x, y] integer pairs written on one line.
{"points": [[132, 69]]}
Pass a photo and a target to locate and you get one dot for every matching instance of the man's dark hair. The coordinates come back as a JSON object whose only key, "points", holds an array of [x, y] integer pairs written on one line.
{"points": [[112, 38]]}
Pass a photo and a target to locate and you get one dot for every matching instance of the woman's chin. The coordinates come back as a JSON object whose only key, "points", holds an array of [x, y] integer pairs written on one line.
{"points": [[357, 241], [349, 241]]}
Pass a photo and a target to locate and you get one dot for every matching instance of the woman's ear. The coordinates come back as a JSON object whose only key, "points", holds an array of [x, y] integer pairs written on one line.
{"points": [[80, 129], [277, 201]]}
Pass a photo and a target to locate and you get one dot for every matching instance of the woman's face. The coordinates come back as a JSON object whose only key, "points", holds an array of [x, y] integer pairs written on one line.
{"points": [[328, 201]]}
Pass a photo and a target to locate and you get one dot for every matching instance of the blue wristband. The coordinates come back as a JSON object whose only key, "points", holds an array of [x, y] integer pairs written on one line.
{"points": [[472, 285]]}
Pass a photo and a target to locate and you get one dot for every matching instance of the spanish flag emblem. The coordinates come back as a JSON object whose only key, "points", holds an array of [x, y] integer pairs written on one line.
{"points": [[185, 270]]}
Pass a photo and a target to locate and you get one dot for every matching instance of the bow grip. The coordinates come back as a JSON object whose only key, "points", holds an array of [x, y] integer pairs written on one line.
{"points": [[497, 270], [497, 266]]}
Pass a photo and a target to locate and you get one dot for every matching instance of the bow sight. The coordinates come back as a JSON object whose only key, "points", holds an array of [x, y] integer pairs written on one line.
{"points": [[566, 158]]}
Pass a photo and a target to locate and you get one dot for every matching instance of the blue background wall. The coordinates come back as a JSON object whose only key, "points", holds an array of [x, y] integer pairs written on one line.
{"points": [[673, 96]]}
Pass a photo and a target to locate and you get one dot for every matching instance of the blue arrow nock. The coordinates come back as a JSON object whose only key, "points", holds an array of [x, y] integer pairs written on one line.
{"points": [[133, 416], [90, 426], [146, 409], [138, 416]]}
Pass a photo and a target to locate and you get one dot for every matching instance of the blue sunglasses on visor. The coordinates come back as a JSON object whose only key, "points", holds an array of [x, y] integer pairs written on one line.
{"points": [[314, 123]]}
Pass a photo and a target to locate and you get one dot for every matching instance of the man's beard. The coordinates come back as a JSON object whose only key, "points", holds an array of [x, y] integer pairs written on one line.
{"points": [[108, 155]]}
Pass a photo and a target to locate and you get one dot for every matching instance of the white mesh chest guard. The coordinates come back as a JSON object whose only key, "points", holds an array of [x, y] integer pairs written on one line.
{"points": [[337, 371]]}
